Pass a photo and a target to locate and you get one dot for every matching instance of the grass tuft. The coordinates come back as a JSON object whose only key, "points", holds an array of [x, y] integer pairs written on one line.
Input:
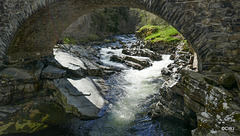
{"points": [[164, 33]]}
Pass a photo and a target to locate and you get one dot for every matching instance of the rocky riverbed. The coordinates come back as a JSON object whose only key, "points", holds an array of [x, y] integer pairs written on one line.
{"points": [[78, 86]]}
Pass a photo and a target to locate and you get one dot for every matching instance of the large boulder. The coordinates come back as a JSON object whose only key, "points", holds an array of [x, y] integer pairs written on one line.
{"points": [[68, 60], [80, 97], [143, 61], [77, 65], [134, 65], [133, 61]]}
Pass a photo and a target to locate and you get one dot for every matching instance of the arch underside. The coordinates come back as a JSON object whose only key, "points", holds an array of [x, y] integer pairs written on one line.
{"points": [[38, 34]]}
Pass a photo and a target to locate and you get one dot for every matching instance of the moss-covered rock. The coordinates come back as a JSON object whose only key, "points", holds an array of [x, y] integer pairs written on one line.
{"points": [[34, 116]]}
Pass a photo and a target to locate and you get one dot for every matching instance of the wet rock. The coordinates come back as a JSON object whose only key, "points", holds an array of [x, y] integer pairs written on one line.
{"points": [[126, 51], [134, 65], [142, 53], [144, 62], [172, 57], [51, 72], [166, 72], [170, 66], [116, 58], [227, 80]]}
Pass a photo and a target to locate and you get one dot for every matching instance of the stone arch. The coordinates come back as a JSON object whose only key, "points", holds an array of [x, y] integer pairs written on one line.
{"points": [[33, 28]]}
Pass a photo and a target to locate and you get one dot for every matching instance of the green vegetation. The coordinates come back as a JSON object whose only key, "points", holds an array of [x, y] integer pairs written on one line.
{"points": [[164, 33], [69, 40]]}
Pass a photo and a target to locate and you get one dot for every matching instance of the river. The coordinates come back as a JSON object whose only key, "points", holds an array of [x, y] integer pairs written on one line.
{"points": [[131, 93]]}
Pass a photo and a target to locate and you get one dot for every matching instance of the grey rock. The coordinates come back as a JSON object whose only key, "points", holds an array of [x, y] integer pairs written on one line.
{"points": [[166, 72], [39, 68], [142, 53], [195, 106], [116, 58], [144, 62], [100, 84], [51, 72], [134, 65], [92, 68], [82, 95], [18, 75]]}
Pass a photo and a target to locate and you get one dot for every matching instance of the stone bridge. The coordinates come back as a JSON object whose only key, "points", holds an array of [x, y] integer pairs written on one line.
{"points": [[30, 28]]}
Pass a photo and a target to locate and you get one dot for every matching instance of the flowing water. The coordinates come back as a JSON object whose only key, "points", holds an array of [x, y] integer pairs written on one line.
{"points": [[131, 93]]}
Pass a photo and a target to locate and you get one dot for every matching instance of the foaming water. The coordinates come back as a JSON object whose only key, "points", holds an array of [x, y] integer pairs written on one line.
{"points": [[131, 93], [106, 53], [138, 86], [129, 90]]}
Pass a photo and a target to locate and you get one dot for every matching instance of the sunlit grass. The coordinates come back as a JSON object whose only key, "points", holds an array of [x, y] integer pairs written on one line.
{"points": [[164, 33]]}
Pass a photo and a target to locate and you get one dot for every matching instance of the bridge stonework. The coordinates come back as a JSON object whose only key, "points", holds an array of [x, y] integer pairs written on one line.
{"points": [[30, 28]]}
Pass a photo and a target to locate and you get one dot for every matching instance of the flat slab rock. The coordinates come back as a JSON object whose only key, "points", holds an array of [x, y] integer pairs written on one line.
{"points": [[69, 61], [83, 95]]}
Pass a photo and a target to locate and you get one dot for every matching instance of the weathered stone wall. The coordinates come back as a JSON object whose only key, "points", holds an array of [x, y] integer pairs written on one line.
{"points": [[30, 28]]}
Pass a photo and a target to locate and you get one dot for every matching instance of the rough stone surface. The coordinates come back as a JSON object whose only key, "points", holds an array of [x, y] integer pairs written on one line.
{"points": [[211, 27], [143, 53], [16, 76], [144, 62], [227, 80], [82, 95], [51, 72]]}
